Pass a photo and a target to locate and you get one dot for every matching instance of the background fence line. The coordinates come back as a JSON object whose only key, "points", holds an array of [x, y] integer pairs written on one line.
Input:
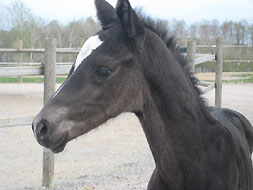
{"points": [[50, 69], [32, 70], [25, 50], [201, 58], [35, 69]]}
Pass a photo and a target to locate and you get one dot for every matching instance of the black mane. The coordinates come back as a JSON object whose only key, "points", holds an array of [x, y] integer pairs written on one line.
{"points": [[157, 27]]}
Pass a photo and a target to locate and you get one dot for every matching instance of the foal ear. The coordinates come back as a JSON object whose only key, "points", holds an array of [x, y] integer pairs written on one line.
{"points": [[131, 24], [105, 13]]}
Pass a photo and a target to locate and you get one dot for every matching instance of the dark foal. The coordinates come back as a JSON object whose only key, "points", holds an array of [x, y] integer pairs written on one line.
{"points": [[131, 66]]}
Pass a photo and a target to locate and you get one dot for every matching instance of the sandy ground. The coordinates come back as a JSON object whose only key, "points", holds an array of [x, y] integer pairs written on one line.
{"points": [[115, 156]]}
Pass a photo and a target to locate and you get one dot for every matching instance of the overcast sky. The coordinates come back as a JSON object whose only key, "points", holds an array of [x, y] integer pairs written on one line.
{"points": [[189, 10]]}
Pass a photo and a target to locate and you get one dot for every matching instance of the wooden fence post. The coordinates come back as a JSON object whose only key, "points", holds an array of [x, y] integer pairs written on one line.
{"points": [[20, 46], [218, 75], [49, 89], [191, 51]]}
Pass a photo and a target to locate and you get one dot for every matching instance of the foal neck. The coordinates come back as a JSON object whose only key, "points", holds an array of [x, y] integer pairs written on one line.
{"points": [[174, 118]]}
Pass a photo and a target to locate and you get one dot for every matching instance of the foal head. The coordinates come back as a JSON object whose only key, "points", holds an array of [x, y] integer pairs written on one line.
{"points": [[106, 80]]}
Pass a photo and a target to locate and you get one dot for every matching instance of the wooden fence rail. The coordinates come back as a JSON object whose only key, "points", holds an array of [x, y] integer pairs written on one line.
{"points": [[205, 58], [14, 64], [50, 70], [58, 50], [32, 70], [13, 122]]}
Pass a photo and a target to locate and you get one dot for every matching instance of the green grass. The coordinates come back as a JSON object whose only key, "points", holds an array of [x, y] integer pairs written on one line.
{"points": [[8, 80], [239, 78], [246, 75], [60, 79], [245, 78], [29, 79], [236, 81], [227, 67], [239, 81]]}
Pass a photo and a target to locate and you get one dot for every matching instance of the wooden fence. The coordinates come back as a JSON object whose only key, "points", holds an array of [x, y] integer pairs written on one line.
{"points": [[194, 59], [50, 69]]}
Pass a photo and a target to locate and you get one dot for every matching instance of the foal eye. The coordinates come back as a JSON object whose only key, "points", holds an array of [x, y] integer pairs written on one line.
{"points": [[103, 71]]}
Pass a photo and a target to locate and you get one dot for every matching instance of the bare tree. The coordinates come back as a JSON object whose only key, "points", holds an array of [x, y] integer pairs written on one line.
{"points": [[225, 29], [244, 31], [91, 27], [213, 30], [204, 32], [193, 31], [54, 30], [78, 31], [2, 24], [251, 34], [240, 31], [179, 30], [69, 34], [20, 16], [36, 33]]}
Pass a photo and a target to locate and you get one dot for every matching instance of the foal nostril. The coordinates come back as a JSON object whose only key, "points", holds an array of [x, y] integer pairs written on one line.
{"points": [[42, 129]]}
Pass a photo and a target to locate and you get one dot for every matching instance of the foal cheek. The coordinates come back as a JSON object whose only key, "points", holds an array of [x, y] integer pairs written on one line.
{"points": [[128, 97]]}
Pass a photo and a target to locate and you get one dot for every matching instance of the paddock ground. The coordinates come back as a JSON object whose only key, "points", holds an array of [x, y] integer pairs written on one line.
{"points": [[114, 157]]}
